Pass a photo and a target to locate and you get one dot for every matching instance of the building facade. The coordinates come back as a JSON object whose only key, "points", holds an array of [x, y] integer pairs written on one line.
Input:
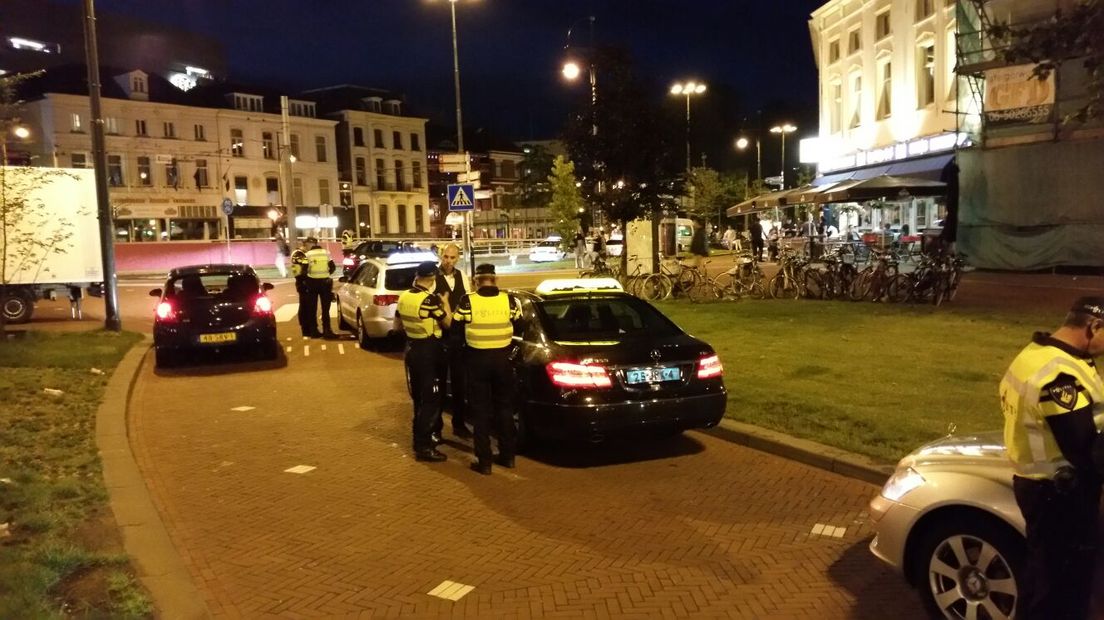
{"points": [[173, 158], [382, 158], [888, 97]]}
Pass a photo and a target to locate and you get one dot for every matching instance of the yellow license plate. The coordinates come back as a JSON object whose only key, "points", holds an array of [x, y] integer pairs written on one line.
{"points": [[217, 338]]}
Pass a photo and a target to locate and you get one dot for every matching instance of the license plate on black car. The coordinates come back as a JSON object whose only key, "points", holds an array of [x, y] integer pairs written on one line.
{"points": [[652, 375]]}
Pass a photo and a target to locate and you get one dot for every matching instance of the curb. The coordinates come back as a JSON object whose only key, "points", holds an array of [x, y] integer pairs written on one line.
{"points": [[804, 451], [145, 539]]}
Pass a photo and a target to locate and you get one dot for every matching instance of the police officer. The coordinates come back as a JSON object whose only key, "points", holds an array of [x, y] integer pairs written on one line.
{"points": [[319, 287], [1048, 397], [299, 272], [423, 316], [488, 315], [451, 282]]}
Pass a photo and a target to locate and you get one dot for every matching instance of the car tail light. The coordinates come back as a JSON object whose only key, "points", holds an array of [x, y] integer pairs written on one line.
{"points": [[709, 367], [349, 261], [385, 300], [571, 375], [165, 312], [263, 305]]}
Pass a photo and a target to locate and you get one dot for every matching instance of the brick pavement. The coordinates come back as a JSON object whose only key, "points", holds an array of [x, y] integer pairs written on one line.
{"points": [[695, 527]]}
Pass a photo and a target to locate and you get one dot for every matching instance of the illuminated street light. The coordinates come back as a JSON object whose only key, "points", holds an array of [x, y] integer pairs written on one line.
{"points": [[21, 132], [687, 89], [741, 143], [783, 130], [571, 70]]}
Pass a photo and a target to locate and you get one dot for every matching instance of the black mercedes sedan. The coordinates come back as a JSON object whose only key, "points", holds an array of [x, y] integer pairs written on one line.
{"points": [[594, 362], [213, 307]]}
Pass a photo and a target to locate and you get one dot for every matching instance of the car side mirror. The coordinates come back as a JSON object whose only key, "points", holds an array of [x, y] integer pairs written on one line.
{"points": [[155, 292], [343, 279], [268, 286]]}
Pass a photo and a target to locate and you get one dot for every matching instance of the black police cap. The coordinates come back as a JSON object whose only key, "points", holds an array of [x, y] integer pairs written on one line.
{"points": [[486, 269], [1093, 306], [426, 269]]}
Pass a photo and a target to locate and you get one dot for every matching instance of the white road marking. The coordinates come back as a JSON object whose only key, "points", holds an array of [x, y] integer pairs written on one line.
{"points": [[830, 531], [306, 350], [323, 347], [451, 590], [243, 408], [288, 348], [299, 469], [286, 312], [341, 349]]}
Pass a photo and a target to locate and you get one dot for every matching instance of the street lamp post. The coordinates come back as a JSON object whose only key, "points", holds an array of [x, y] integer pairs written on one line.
{"points": [[688, 89], [783, 130], [572, 70]]}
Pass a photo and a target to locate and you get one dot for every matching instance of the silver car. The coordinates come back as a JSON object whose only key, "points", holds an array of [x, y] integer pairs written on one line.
{"points": [[948, 520], [368, 297]]}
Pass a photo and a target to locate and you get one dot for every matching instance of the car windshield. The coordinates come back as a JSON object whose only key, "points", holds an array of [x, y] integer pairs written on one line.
{"points": [[548, 244], [213, 286], [601, 317], [399, 278]]}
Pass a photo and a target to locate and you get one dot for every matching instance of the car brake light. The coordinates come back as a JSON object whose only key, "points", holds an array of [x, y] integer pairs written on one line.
{"points": [[385, 300], [709, 367], [571, 375], [263, 305], [349, 261], [166, 312]]}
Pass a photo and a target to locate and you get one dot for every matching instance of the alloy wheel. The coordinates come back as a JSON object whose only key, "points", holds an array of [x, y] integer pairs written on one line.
{"points": [[970, 578]]}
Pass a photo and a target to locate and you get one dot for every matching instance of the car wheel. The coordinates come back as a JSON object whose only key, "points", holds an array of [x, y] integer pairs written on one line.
{"points": [[969, 564], [17, 307], [362, 333], [163, 358]]}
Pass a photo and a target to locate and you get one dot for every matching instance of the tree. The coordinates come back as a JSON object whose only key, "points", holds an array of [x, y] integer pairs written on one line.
{"points": [[29, 231], [714, 192], [1074, 34], [566, 202], [532, 189]]}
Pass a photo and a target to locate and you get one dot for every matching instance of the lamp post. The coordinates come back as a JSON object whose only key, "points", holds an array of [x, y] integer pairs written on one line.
{"points": [[571, 71], [688, 89], [741, 144], [15, 129], [783, 130]]}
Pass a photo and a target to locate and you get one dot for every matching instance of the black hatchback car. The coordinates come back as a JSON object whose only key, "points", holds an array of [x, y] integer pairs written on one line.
{"points": [[595, 363], [213, 307]]}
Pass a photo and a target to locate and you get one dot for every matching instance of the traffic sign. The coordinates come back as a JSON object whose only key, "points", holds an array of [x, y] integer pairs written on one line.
{"points": [[461, 197], [227, 206], [773, 181], [453, 162], [468, 177]]}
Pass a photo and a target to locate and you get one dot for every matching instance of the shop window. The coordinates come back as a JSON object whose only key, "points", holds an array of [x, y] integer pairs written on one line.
{"points": [[192, 230]]}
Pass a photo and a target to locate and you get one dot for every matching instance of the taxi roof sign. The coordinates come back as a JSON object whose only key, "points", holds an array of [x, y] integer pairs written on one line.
{"points": [[400, 258], [579, 285]]}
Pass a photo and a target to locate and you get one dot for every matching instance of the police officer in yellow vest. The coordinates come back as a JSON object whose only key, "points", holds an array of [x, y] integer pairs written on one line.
{"points": [[299, 272], [1049, 398], [424, 315], [319, 288], [489, 315]]}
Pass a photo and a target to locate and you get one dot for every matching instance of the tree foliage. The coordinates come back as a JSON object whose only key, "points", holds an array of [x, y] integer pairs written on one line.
{"points": [[1071, 35], [533, 189], [714, 192], [566, 202]]}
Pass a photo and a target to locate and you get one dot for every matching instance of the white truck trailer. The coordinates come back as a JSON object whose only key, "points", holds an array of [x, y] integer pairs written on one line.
{"points": [[49, 238]]}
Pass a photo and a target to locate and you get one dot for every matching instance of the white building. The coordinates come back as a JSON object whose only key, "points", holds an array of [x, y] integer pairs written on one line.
{"points": [[888, 96], [173, 157], [382, 154]]}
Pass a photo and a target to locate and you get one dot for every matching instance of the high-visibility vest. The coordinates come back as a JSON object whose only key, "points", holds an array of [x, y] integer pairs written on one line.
{"points": [[318, 263], [1027, 436], [490, 326], [298, 262], [409, 309]]}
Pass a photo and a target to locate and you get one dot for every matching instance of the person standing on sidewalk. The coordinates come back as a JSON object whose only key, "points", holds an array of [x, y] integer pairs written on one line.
{"points": [[1048, 397], [489, 315], [451, 282], [756, 231], [423, 316], [299, 272], [282, 253], [319, 288]]}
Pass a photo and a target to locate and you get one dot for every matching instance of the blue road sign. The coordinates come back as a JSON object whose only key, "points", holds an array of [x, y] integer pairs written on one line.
{"points": [[227, 206], [461, 197]]}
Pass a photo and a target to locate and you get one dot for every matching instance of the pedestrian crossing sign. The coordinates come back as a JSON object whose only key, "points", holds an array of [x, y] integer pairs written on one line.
{"points": [[461, 197]]}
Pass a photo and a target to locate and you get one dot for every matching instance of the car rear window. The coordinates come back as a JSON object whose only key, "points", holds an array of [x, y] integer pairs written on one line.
{"points": [[598, 318], [228, 286], [399, 278], [548, 244]]}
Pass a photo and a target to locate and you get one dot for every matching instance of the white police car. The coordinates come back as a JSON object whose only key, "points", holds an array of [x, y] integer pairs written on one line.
{"points": [[367, 299]]}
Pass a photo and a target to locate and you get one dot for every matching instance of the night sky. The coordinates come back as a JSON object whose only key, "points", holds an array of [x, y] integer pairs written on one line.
{"points": [[754, 54]]}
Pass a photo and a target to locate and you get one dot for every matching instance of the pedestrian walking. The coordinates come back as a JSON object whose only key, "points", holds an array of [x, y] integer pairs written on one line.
{"points": [[299, 272], [1048, 396], [580, 249], [282, 254], [424, 315], [451, 282], [488, 315], [319, 288], [756, 230], [729, 238]]}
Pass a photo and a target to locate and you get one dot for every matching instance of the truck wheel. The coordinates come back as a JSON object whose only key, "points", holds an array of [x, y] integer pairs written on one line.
{"points": [[18, 307]]}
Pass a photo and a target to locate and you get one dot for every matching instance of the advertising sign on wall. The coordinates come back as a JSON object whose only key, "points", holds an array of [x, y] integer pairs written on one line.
{"points": [[1014, 95]]}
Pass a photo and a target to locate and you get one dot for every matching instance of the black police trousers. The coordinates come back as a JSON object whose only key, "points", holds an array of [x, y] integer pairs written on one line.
{"points": [[490, 386], [304, 315], [422, 358], [318, 291], [1061, 548], [452, 378]]}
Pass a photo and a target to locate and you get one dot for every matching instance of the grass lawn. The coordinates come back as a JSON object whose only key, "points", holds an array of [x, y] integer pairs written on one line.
{"points": [[875, 379], [60, 552]]}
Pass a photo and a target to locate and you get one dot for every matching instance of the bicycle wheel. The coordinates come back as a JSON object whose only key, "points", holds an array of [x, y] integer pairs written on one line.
{"points": [[704, 291], [814, 286], [756, 290], [780, 287], [952, 286], [897, 288], [655, 287]]}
